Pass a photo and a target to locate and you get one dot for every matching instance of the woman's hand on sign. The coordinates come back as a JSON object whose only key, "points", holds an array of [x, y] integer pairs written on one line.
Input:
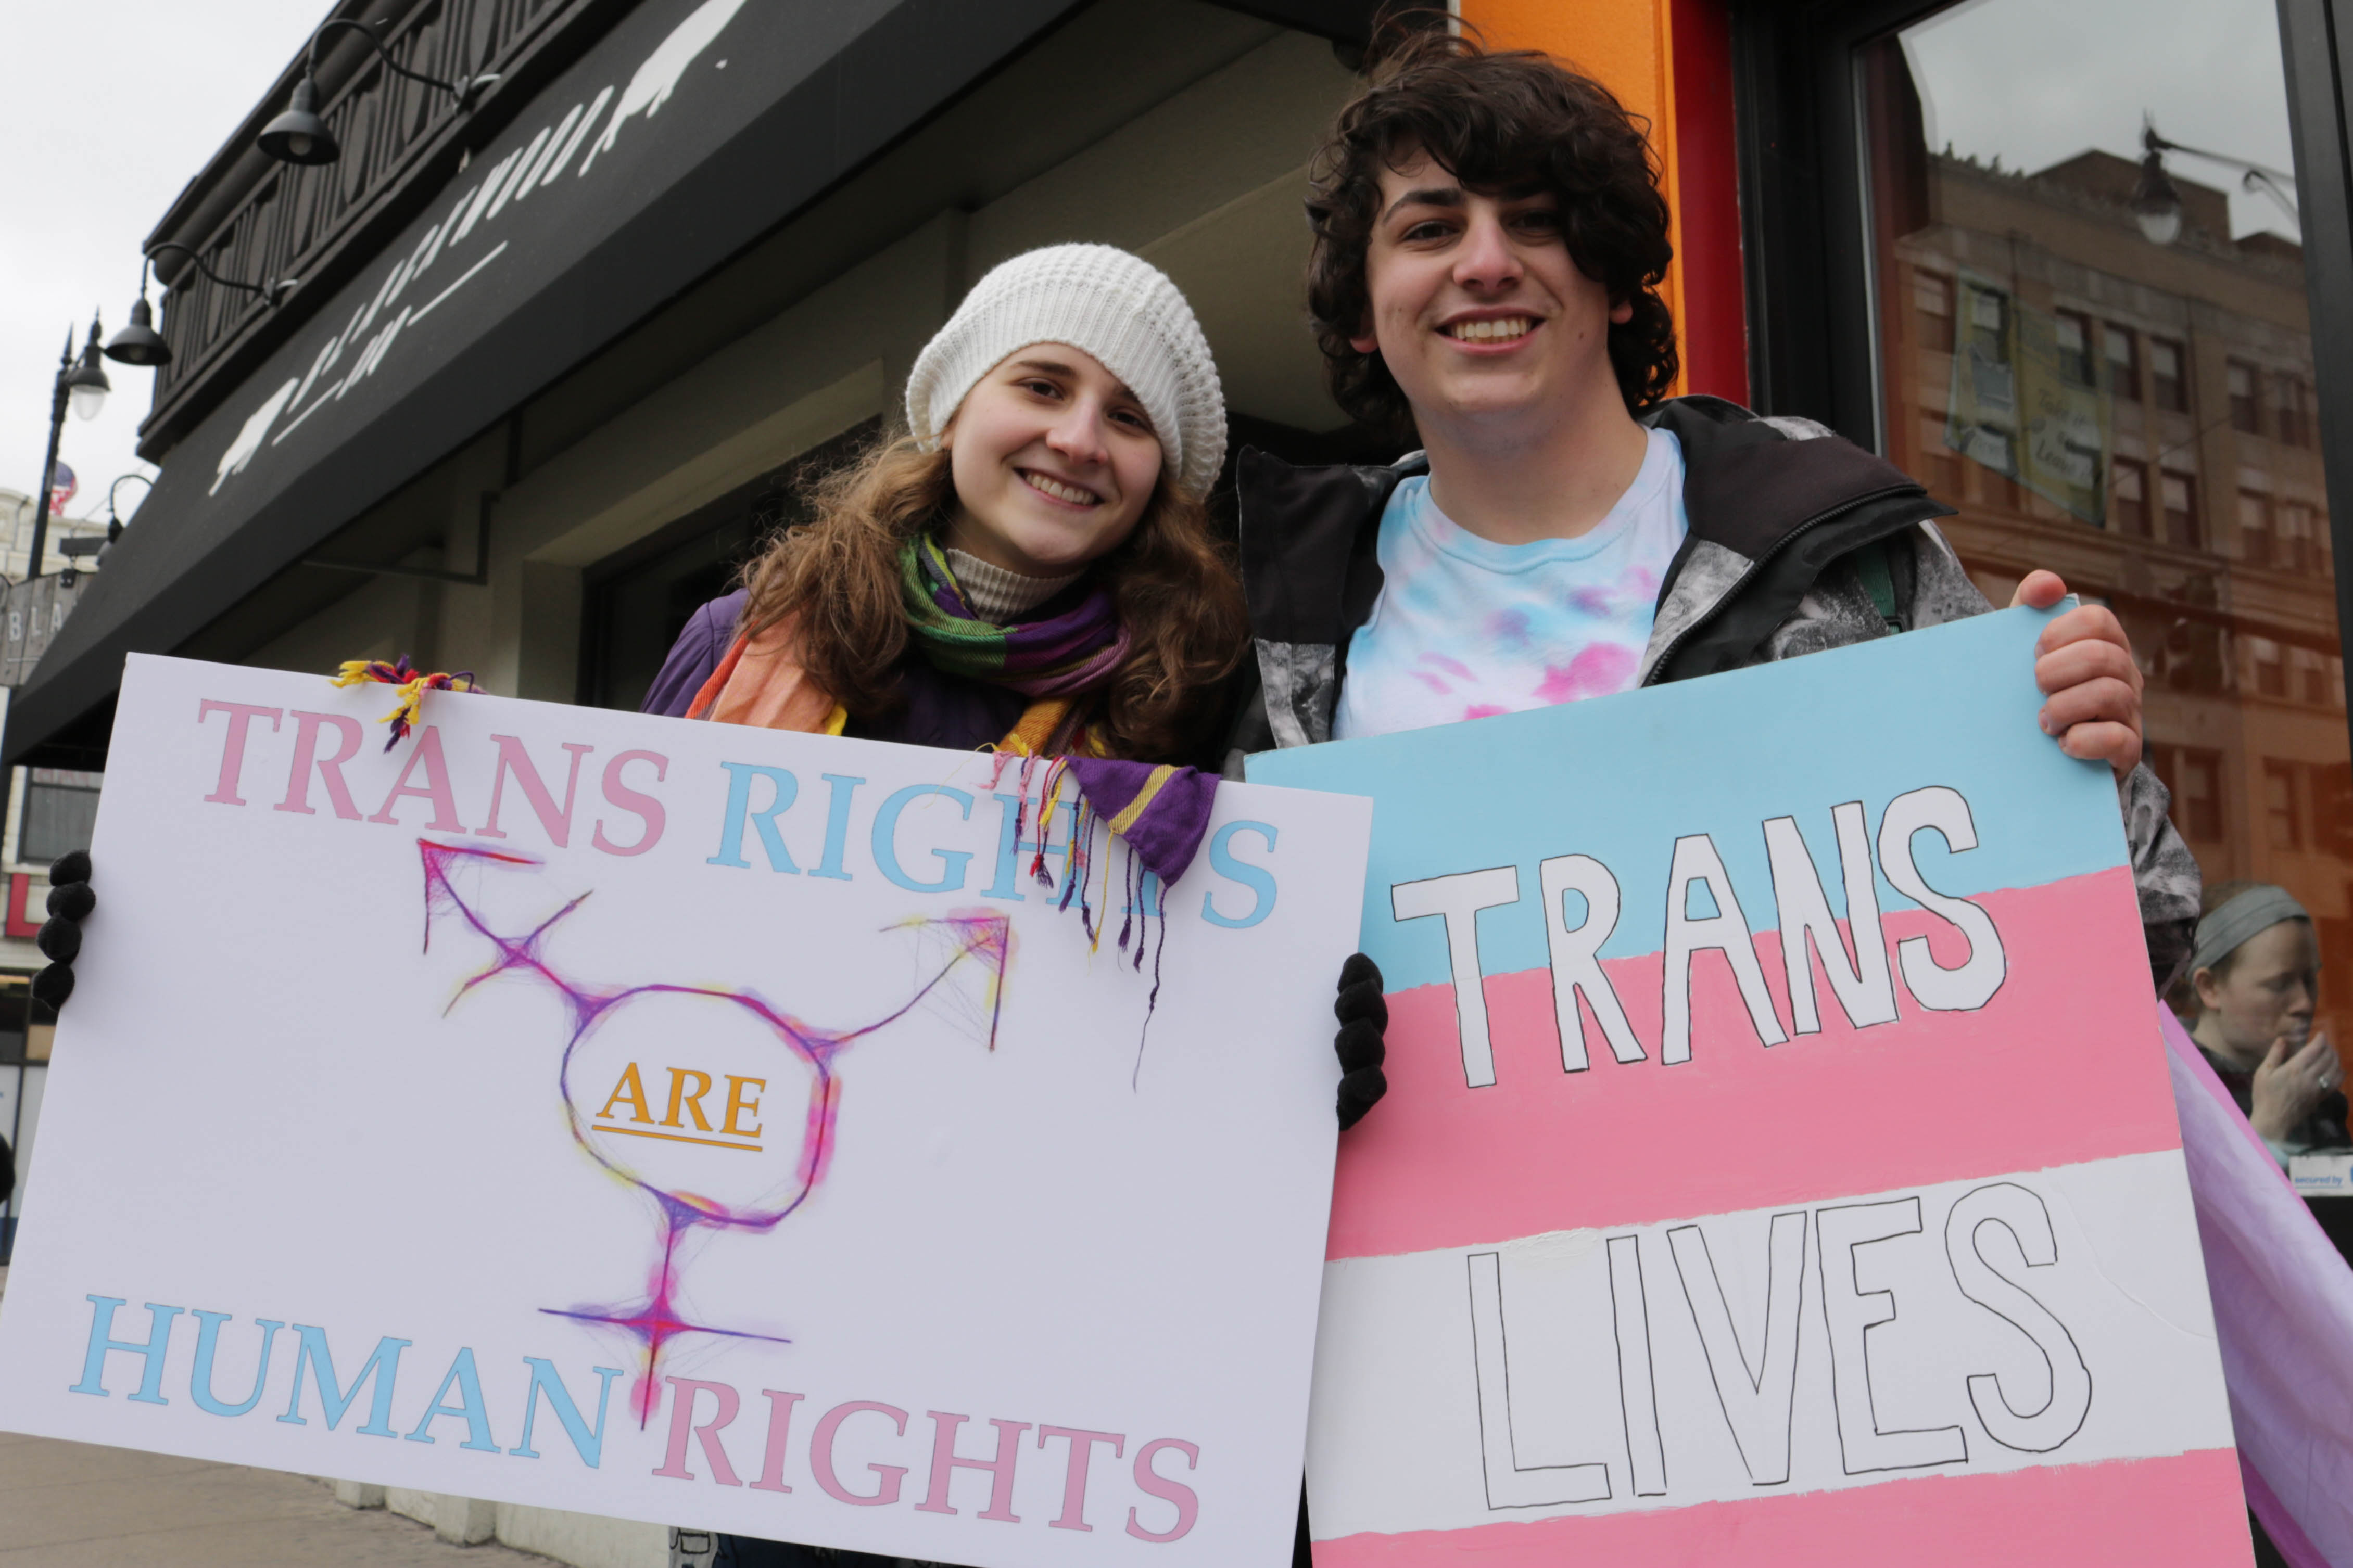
{"points": [[2289, 1084], [1362, 1042], [2084, 665], [70, 901]]}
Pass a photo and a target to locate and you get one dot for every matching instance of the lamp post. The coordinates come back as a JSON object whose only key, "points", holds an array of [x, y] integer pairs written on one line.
{"points": [[82, 387], [2157, 202], [301, 136], [141, 344], [114, 518]]}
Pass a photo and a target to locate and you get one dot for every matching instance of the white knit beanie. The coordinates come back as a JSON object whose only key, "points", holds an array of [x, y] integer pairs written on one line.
{"points": [[1119, 307]]}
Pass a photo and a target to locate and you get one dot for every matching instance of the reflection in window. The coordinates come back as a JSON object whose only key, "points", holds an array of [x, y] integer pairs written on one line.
{"points": [[2074, 331], [2246, 408], [2167, 388], [2022, 403], [2301, 540], [1933, 293], [2295, 411], [2194, 776], [2201, 794], [2311, 675], [2180, 496], [2129, 498], [2284, 823], [1941, 470], [2124, 361], [2255, 546], [2139, 417], [2271, 667]]}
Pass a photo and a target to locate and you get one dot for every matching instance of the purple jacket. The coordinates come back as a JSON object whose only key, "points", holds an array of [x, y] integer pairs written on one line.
{"points": [[938, 709]]}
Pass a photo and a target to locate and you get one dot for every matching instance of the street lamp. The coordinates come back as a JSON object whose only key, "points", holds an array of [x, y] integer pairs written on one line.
{"points": [[300, 136], [2156, 201], [86, 383], [82, 387], [140, 343], [114, 518]]}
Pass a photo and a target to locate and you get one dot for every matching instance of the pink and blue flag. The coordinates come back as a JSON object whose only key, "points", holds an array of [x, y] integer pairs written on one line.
{"points": [[1780, 1163]]}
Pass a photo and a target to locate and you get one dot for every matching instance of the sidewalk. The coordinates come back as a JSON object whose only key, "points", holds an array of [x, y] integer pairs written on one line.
{"points": [[75, 1504], [79, 1504]]}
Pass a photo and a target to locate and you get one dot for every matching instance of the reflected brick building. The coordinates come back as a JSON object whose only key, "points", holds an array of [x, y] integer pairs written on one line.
{"points": [[2213, 542]]}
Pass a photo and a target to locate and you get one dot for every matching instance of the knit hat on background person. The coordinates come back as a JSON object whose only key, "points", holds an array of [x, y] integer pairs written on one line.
{"points": [[1119, 307]]}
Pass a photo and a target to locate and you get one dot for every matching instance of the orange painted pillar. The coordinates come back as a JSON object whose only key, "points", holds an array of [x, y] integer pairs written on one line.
{"points": [[1669, 62]]}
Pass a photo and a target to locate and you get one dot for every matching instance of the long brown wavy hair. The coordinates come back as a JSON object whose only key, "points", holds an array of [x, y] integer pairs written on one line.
{"points": [[1172, 581]]}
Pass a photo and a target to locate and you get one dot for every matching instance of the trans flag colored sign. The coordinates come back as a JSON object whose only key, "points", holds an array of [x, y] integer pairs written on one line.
{"points": [[1780, 1164]]}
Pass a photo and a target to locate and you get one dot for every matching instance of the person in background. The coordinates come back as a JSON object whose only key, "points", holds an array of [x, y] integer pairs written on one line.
{"points": [[2255, 972]]}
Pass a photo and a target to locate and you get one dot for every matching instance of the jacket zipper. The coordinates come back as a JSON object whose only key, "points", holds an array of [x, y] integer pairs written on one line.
{"points": [[1667, 654]]}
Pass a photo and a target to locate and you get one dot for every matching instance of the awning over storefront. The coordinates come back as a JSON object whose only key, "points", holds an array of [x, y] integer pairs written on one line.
{"points": [[688, 130]]}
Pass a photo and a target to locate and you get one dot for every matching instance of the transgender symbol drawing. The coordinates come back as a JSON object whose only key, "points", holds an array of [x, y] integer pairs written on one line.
{"points": [[708, 1143]]}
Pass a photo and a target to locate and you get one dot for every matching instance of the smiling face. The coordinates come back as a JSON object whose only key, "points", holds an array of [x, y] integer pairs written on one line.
{"points": [[1054, 461], [1478, 309]]}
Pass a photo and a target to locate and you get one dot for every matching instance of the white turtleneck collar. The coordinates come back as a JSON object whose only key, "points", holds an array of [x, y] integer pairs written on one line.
{"points": [[996, 594]]}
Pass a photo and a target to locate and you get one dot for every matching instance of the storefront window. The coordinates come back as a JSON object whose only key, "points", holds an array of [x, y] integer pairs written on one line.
{"points": [[2136, 415], [60, 810]]}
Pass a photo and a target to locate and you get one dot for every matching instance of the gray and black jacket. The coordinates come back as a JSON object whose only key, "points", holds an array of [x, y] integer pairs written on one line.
{"points": [[1798, 538]]}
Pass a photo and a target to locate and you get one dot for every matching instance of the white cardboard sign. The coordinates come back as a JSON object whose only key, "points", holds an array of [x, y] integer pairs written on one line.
{"points": [[685, 1122]]}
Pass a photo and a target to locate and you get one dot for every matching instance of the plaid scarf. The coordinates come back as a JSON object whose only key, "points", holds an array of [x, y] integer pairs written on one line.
{"points": [[1063, 655]]}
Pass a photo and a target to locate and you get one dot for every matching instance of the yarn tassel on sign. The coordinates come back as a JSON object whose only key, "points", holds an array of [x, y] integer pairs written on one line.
{"points": [[413, 685]]}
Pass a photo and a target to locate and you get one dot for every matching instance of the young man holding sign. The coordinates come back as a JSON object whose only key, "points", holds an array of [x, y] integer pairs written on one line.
{"points": [[1489, 237]]}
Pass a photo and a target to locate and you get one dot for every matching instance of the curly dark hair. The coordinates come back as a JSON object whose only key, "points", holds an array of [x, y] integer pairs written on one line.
{"points": [[1497, 120]]}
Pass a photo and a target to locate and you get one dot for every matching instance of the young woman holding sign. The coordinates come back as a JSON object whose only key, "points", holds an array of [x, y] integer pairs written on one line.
{"points": [[1030, 570]]}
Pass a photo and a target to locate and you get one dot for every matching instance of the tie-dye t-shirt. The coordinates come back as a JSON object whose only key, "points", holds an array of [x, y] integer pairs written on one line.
{"points": [[1465, 627]]}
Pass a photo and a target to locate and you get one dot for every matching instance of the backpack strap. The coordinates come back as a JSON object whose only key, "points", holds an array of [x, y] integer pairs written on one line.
{"points": [[1878, 580]]}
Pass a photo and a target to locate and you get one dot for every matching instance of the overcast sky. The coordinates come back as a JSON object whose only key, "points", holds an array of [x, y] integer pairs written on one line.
{"points": [[117, 103], [2036, 81], [112, 106]]}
